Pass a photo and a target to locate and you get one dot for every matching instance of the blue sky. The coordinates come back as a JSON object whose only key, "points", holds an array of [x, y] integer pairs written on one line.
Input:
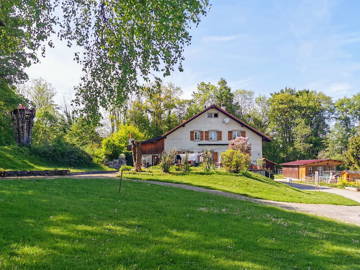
{"points": [[258, 45]]}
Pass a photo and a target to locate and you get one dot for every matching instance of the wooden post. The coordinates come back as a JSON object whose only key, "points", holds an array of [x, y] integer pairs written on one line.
{"points": [[23, 121]]}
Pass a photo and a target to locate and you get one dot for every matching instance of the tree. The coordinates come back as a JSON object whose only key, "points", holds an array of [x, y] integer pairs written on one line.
{"points": [[24, 28], [352, 155], [40, 93], [156, 109], [117, 142], [120, 41], [298, 120]]}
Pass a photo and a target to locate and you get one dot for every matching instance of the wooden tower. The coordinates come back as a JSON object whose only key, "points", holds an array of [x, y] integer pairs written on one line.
{"points": [[23, 121]]}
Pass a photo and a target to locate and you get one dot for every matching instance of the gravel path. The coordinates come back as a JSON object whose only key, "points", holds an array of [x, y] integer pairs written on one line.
{"points": [[348, 214]]}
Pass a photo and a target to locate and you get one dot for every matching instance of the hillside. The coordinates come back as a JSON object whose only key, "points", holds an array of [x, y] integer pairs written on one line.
{"points": [[21, 158], [248, 184]]}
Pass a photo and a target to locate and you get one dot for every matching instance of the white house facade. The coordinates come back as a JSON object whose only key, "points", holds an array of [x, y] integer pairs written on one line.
{"points": [[212, 129]]}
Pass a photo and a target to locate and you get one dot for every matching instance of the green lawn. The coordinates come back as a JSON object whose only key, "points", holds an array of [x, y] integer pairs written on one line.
{"points": [[20, 158], [253, 185], [87, 224]]}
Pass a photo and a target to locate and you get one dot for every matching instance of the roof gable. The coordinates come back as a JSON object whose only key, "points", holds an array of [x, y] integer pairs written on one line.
{"points": [[242, 123]]}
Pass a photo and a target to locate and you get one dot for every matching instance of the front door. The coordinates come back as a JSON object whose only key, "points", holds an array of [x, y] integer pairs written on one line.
{"points": [[215, 157]]}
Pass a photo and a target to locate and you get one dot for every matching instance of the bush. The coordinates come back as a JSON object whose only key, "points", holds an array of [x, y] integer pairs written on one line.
{"points": [[235, 160], [167, 159], [63, 153]]}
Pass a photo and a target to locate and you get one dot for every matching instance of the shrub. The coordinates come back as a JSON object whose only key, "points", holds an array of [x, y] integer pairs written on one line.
{"points": [[167, 159], [235, 160], [208, 161], [63, 153]]}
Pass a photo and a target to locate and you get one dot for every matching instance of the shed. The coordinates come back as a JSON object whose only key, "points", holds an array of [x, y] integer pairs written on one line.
{"points": [[301, 169], [350, 176]]}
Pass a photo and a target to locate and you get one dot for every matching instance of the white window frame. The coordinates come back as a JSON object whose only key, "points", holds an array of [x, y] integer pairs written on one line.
{"points": [[237, 132], [212, 132], [197, 133]]}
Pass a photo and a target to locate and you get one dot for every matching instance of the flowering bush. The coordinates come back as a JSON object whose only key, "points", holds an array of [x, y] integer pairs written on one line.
{"points": [[241, 144]]}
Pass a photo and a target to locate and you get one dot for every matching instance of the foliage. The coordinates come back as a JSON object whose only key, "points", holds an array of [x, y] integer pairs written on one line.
{"points": [[207, 94], [298, 120], [62, 153], [24, 27], [352, 155], [82, 133], [120, 41], [208, 161], [117, 142], [235, 160], [156, 109], [166, 161]]}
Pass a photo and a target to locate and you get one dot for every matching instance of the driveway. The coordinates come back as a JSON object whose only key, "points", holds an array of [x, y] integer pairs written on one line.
{"points": [[353, 195]]}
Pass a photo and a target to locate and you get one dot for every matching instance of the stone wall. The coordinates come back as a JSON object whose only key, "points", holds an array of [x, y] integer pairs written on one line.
{"points": [[33, 173]]}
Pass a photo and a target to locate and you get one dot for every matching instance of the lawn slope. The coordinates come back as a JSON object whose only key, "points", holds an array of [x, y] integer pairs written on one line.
{"points": [[249, 184], [20, 158], [87, 224]]}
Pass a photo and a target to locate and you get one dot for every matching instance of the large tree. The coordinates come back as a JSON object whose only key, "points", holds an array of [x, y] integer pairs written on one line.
{"points": [[299, 122], [120, 42]]}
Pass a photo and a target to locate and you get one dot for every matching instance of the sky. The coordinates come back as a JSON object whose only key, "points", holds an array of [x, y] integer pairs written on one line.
{"points": [[258, 45]]}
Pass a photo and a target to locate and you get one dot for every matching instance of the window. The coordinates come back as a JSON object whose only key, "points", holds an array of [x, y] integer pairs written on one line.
{"points": [[212, 135], [212, 115], [197, 135], [235, 134]]}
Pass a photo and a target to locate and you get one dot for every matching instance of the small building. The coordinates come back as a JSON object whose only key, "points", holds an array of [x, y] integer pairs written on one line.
{"points": [[303, 169], [350, 176]]}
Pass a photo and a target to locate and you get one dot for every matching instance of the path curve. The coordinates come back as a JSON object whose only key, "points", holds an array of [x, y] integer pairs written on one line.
{"points": [[347, 214]]}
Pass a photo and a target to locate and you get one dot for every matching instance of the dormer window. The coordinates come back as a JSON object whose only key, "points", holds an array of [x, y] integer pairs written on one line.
{"points": [[212, 115]]}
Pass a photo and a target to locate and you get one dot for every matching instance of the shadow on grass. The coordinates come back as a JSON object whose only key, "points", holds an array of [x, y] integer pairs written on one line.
{"points": [[86, 224]]}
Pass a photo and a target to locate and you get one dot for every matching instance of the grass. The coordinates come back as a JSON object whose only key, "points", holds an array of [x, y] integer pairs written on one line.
{"points": [[87, 224], [20, 158], [250, 184]]}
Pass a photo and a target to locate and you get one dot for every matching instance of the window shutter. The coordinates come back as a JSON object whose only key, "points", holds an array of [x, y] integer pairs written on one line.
{"points": [[243, 133], [219, 135], [229, 135], [191, 135], [201, 135], [206, 135]]}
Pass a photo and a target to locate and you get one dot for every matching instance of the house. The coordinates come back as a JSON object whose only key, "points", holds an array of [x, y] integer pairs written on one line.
{"points": [[212, 129], [350, 176], [303, 169]]}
